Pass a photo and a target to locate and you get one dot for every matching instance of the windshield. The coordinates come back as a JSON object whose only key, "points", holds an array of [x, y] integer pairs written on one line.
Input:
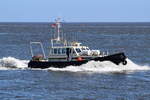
{"points": [[78, 50], [85, 49]]}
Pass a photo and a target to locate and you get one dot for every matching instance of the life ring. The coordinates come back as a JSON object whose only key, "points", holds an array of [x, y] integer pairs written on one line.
{"points": [[124, 62]]}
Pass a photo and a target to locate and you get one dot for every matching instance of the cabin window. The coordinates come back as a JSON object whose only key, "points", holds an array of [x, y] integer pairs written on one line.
{"points": [[83, 49], [55, 51], [78, 50], [74, 51], [59, 50], [51, 51], [64, 51]]}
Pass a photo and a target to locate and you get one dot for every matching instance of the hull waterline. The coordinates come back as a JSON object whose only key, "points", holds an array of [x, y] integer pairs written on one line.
{"points": [[115, 58]]}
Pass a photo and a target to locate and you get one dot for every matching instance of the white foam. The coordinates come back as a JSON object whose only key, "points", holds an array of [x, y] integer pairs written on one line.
{"points": [[92, 66], [104, 67], [11, 62]]}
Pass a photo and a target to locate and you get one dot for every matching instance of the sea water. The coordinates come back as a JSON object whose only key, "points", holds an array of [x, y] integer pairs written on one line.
{"points": [[91, 81]]}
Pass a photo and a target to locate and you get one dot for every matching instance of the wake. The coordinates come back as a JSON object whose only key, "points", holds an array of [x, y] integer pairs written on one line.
{"points": [[104, 67], [12, 63], [8, 63]]}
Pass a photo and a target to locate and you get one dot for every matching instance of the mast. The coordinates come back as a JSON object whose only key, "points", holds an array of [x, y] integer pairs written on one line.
{"points": [[58, 29], [58, 38]]}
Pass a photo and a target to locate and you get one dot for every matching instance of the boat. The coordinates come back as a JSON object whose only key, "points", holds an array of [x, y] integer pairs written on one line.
{"points": [[63, 53]]}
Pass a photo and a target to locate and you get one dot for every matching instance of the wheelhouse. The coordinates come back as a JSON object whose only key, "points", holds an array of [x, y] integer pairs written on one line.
{"points": [[76, 49]]}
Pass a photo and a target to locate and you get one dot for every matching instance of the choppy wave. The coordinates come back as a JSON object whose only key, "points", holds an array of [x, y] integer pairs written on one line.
{"points": [[3, 33], [92, 66]]}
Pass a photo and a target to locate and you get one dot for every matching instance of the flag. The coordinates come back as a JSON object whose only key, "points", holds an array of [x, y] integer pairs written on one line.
{"points": [[53, 25]]}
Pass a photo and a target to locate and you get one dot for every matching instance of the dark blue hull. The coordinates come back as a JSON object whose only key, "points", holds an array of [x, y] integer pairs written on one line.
{"points": [[115, 58]]}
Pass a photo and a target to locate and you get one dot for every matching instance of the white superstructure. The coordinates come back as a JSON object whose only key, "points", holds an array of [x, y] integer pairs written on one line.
{"points": [[63, 50]]}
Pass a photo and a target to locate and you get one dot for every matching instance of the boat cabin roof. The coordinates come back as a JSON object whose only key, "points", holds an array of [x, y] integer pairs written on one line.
{"points": [[73, 45], [77, 48]]}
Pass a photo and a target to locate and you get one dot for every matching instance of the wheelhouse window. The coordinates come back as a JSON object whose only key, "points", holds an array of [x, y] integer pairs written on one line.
{"points": [[59, 50], [55, 51], [83, 49], [78, 50], [87, 49], [63, 50], [74, 51]]}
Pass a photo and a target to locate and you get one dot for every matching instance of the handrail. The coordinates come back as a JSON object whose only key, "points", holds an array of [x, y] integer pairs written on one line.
{"points": [[41, 48]]}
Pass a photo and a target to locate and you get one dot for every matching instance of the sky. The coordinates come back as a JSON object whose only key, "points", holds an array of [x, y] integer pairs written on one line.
{"points": [[75, 10]]}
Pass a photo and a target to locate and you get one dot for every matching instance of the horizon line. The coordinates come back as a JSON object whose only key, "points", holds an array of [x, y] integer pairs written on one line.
{"points": [[76, 22]]}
